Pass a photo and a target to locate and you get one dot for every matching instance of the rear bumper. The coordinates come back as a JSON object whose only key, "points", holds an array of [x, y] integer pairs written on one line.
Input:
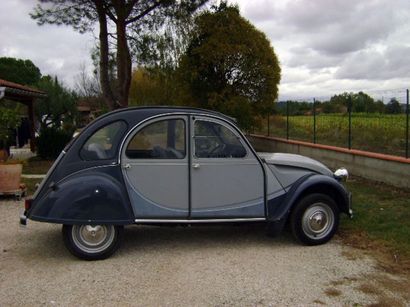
{"points": [[23, 219]]}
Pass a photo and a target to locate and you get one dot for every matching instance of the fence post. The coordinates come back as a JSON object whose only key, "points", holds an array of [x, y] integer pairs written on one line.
{"points": [[407, 123], [349, 109], [314, 120], [287, 120]]}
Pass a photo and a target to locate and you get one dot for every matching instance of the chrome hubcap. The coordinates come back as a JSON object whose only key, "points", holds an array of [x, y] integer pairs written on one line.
{"points": [[93, 239], [318, 221]]}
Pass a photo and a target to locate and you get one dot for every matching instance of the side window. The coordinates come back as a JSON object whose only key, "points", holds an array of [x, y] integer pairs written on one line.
{"points": [[213, 140], [103, 144], [160, 140]]}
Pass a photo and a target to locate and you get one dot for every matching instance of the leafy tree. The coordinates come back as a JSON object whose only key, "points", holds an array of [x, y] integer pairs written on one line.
{"points": [[59, 107], [155, 86], [9, 120], [19, 71], [363, 103], [332, 107], [230, 66], [125, 16], [360, 102], [393, 107]]}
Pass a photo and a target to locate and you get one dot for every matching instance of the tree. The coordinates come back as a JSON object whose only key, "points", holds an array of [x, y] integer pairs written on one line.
{"points": [[360, 102], [87, 85], [393, 107], [59, 107], [19, 71], [230, 66], [9, 121], [124, 16]]}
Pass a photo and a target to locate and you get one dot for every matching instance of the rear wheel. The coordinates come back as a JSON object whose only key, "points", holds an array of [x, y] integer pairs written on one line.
{"points": [[92, 242], [315, 219]]}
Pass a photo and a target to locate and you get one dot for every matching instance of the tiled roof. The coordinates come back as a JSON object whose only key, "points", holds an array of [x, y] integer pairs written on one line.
{"points": [[5, 83]]}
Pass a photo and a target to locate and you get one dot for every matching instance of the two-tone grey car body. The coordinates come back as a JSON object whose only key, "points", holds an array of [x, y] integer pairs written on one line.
{"points": [[163, 165]]}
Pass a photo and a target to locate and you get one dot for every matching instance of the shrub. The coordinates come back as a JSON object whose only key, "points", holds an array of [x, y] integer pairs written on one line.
{"points": [[51, 142]]}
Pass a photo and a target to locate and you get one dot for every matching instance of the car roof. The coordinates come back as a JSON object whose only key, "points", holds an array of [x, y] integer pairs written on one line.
{"points": [[156, 110]]}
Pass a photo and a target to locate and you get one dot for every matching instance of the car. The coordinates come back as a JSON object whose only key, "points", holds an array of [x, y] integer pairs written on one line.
{"points": [[180, 166]]}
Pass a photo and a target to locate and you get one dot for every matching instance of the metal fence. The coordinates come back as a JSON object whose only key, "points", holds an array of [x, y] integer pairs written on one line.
{"points": [[370, 131]]}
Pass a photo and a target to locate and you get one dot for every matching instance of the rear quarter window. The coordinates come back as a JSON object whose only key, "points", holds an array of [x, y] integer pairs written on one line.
{"points": [[103, 143]]}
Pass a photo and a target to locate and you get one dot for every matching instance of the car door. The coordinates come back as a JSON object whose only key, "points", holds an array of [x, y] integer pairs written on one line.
{"points": [[155, 167], [227, 180]]}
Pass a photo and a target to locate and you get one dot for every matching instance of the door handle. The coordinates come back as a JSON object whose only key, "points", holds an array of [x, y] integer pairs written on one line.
{"points": [[196, 165], [127, 166]]}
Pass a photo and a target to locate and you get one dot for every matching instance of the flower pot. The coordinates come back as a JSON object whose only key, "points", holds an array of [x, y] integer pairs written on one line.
{"points": [[10, 175]]}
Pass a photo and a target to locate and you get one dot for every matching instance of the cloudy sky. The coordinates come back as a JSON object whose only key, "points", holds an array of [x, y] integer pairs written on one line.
{"points": [[324, 46]]}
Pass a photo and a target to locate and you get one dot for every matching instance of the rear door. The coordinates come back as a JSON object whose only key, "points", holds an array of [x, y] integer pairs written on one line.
{"points": [[155, 167], [227, 180]]}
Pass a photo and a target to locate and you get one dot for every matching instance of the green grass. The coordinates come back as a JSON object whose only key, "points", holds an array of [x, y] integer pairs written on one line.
{"points": [[382, 212], [36, 166], [381, 133]]}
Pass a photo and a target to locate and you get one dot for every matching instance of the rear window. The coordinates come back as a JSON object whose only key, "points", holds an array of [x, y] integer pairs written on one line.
{"points": [[103, 144]]}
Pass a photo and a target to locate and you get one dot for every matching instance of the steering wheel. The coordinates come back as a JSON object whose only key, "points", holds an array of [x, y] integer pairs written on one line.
{"points": [[220, 148]]}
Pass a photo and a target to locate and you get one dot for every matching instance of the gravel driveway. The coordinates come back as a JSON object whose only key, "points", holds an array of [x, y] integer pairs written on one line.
{"points": [[192, 266]]}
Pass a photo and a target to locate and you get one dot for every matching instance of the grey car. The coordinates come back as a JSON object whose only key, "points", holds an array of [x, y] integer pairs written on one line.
{"points": [[176, 166]]}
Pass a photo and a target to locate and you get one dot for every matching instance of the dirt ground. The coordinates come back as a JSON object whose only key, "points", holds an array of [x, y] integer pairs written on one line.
{"points": [[191, 266]]}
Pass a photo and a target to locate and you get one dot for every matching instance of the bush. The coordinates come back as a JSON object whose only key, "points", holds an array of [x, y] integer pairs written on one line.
{"points": [[51, 142]]}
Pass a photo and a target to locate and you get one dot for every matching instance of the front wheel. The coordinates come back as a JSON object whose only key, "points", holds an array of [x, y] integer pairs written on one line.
{"points": [[315, 219], [92, 242]]}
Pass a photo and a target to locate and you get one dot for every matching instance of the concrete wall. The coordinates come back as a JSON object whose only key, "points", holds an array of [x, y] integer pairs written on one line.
{"points": [[384, 168]]}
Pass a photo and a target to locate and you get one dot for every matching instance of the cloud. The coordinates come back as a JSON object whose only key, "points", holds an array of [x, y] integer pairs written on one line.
{"points": [[55, 50], [329, 46], [391, 63]]}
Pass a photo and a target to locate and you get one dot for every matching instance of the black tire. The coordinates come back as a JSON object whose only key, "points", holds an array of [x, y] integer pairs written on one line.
{"points": [[315, 219], [92, 242]]}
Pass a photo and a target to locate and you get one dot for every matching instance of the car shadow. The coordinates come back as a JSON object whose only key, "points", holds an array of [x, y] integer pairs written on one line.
{"points": [[47, 243], [165, 238]]}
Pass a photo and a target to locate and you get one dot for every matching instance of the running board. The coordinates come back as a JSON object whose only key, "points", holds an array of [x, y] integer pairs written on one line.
{"points": [[153, 221]]}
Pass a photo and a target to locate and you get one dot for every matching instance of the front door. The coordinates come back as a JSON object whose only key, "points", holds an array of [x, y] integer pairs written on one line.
{"points": [[155, 167], [227, 180]]}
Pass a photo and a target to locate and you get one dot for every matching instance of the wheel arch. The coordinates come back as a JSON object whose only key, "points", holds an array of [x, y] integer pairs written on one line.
{"points": [[310, 184]]}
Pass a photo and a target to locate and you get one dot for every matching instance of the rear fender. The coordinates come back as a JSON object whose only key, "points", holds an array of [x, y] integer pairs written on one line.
{"points": [[92, 197]]}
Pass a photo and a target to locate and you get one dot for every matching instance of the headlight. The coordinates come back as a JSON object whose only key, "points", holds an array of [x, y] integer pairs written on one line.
{"points": [[341, 174]]}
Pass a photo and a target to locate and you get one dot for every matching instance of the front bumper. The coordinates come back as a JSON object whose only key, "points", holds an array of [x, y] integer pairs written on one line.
{"points": [[350, 210]]}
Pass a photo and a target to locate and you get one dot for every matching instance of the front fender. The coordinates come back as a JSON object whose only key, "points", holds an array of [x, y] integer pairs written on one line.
{"points": [[93, 197], [278, 209]]}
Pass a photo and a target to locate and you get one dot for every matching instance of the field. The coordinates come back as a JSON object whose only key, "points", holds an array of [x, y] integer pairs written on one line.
{"points": [[371, 132]]}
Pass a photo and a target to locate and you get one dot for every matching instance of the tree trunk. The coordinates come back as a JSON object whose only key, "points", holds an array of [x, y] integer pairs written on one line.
{"points": [[104, 61], [124, 65]]}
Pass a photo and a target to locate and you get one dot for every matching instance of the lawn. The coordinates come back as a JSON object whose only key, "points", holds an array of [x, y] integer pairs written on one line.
{"points": [[382, 212]]}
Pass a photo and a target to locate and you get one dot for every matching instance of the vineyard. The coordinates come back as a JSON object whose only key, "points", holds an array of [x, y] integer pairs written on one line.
{"points": [[380, 133]]}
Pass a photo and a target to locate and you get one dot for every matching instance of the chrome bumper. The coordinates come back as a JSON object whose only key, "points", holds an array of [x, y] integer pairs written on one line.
{"points": [[23, 219], [350, 206]]}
